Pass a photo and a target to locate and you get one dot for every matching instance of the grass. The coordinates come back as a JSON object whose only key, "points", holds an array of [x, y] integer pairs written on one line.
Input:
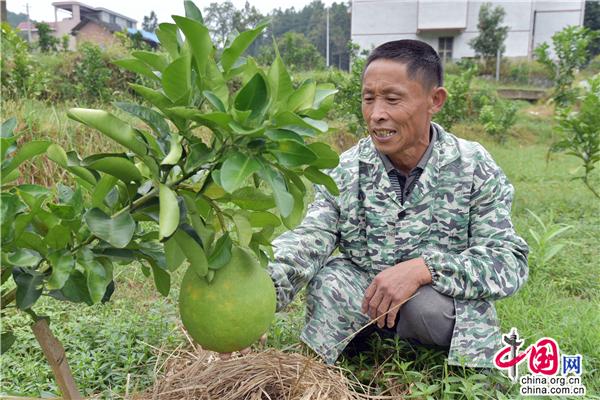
{"points": [[112, 347]]}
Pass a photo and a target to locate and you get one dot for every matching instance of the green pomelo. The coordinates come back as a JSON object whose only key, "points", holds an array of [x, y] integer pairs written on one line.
{"points": [[234, 310]]}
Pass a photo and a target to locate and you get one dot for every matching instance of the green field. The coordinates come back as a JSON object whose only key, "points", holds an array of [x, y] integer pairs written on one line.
{"points": [[116, 348]]}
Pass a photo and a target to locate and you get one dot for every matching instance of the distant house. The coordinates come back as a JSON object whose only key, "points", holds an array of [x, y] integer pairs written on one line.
{"points": [[449, 25], [25, 27]]}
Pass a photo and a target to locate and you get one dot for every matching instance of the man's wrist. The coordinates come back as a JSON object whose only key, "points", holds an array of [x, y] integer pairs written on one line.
{"points": [[423, 271]]}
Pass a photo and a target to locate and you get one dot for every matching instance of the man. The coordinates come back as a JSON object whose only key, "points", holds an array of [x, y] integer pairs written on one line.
{"points": [[420, 211]]}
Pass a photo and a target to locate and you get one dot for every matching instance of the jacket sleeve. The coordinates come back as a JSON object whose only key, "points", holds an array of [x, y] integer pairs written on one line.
{"points": [[494, 265], [300, 253]]}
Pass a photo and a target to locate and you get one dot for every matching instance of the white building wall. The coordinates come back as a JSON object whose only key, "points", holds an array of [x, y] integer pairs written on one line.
{"points": [[530, 22]]}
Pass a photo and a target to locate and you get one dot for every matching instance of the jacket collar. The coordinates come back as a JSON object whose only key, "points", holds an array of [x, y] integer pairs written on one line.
{"points": [[444, 152]]}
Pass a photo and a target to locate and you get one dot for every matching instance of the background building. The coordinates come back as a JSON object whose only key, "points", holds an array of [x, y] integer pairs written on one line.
{"points": [[449, 25]]}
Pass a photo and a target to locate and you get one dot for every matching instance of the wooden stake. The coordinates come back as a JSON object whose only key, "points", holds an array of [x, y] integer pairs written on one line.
{"points": [[55, 354]]}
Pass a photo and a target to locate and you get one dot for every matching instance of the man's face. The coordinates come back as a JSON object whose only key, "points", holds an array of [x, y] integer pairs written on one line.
{"points": [[396, 109]]}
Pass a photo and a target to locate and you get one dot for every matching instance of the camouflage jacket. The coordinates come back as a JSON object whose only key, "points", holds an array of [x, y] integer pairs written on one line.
{"points": [[457, 218]]}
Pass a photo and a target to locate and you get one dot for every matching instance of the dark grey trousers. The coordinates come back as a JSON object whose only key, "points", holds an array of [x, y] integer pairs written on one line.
{"points": [[427, 319]]}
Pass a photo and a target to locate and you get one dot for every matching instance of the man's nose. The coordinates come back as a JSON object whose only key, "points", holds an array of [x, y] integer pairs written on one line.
{"points": [[379, 112]]}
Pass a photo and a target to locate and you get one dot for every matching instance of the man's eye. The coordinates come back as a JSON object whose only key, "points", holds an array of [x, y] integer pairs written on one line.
{"points": [[393, 99], [367, 99]]}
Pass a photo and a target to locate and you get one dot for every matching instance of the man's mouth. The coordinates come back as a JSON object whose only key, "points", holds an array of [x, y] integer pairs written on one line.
{"points": [[383, 133]]}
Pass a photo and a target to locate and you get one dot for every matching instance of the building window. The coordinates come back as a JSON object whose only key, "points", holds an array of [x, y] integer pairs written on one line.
{"points": [[129, 24], [445, 48], [113, 19]]}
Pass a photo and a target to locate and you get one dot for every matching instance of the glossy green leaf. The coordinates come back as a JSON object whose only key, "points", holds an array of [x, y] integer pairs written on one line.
{"points": [[24, 153], [324, 101], [215, 82], [253, 96], [32, 241], [155, 60], [283, 199], [63, 263], [292, 122], [260, 219], [302, 98], [173, 253], [104, 186], [219, 119], [326, 157], [293, 154], [7, 339], [236, 169], [214, 100], [283, 134], [97, 278], [152, 118], [117, 230], [244, 229], [193, 252], [136, 66], [295, 217], [320, 178], [192, 12], [7, 128], [57, 154], [175, 151], [279, 82], [221, 253], [111, 126], [33, 195], [58, 237], [176, 79], [24, 258], [156, 98], [250, 198], [118, 166], [29, 287], [167, 35], [74, 290], [199, 39], [169, 212], [197, 154], [162, 279], [239, 45]]}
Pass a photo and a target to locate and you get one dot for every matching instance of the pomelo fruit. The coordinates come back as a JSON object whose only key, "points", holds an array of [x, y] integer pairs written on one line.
{"points": [[234, 309]]}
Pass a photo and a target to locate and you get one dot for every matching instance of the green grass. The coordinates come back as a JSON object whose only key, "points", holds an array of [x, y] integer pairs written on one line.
{"points": [[108, 343]]}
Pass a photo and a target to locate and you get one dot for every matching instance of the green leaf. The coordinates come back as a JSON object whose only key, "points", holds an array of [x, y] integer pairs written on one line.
{"points": [[198, 153], [244, 229], [63, 263], [167, 35], [297, 213], [29, 287], [293, 154], [219, 119], [169, 212], [153, 59], [156, 98], [250, 198], [280, 83], [290, 121], [324, 101], [24, 153], [136, 66], [57, 154], [24, 258], [32, 241], [173, 253], [101, 190], [176, 80], [116, 165], [253, 96], [111, 126], [260, 219], [284, 200], [162, 279], [199, 39], [239, 45], [302, 98], [192, 12], [175, 151], [221, 253], [326, 157], [117, 231], [7, 339], [58, 237], [316, 176], [97, 278], [236, 169], [7, 128], [74, 290], [193, 252], [214, 100], [283, 134], [152, 118]]}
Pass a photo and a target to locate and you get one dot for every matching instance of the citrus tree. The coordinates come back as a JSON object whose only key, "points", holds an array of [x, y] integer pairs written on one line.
{"points": [[204, 183]]}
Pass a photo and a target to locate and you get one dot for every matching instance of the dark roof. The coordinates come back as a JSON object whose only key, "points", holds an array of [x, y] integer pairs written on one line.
{"points": [[85, 19]]}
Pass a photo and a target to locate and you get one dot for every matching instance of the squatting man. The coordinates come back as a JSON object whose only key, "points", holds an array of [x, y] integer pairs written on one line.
{"points": [[420, 213]]}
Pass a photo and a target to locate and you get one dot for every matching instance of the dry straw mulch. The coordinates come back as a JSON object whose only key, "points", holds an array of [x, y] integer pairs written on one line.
{"points": [[270, 374]]}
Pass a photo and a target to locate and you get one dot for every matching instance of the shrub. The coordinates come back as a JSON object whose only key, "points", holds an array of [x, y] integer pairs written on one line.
{"points": [[348, 100], [296, 51], [91, 73], [498, 118], [457, 105]]}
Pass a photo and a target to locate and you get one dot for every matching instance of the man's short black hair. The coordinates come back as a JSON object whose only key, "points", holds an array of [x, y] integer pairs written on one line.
{"points": [[422, 61]]}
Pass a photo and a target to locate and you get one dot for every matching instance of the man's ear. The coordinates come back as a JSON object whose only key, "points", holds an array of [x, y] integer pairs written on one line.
{"points": [[439, 94]]}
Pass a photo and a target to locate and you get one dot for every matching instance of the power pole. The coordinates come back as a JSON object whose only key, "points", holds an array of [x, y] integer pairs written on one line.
{"points": [[3, 16], [327, 35], [28, 23]]}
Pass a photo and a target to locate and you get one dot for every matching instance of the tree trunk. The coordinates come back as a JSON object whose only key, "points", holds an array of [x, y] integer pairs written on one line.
{"points": [[55, 354]]}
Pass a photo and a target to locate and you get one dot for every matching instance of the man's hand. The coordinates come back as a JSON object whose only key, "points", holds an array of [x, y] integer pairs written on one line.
{"points": [[393, 286]]}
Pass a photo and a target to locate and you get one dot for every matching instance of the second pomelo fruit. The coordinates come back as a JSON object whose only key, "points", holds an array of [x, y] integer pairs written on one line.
{"points": [[234, 310]]}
